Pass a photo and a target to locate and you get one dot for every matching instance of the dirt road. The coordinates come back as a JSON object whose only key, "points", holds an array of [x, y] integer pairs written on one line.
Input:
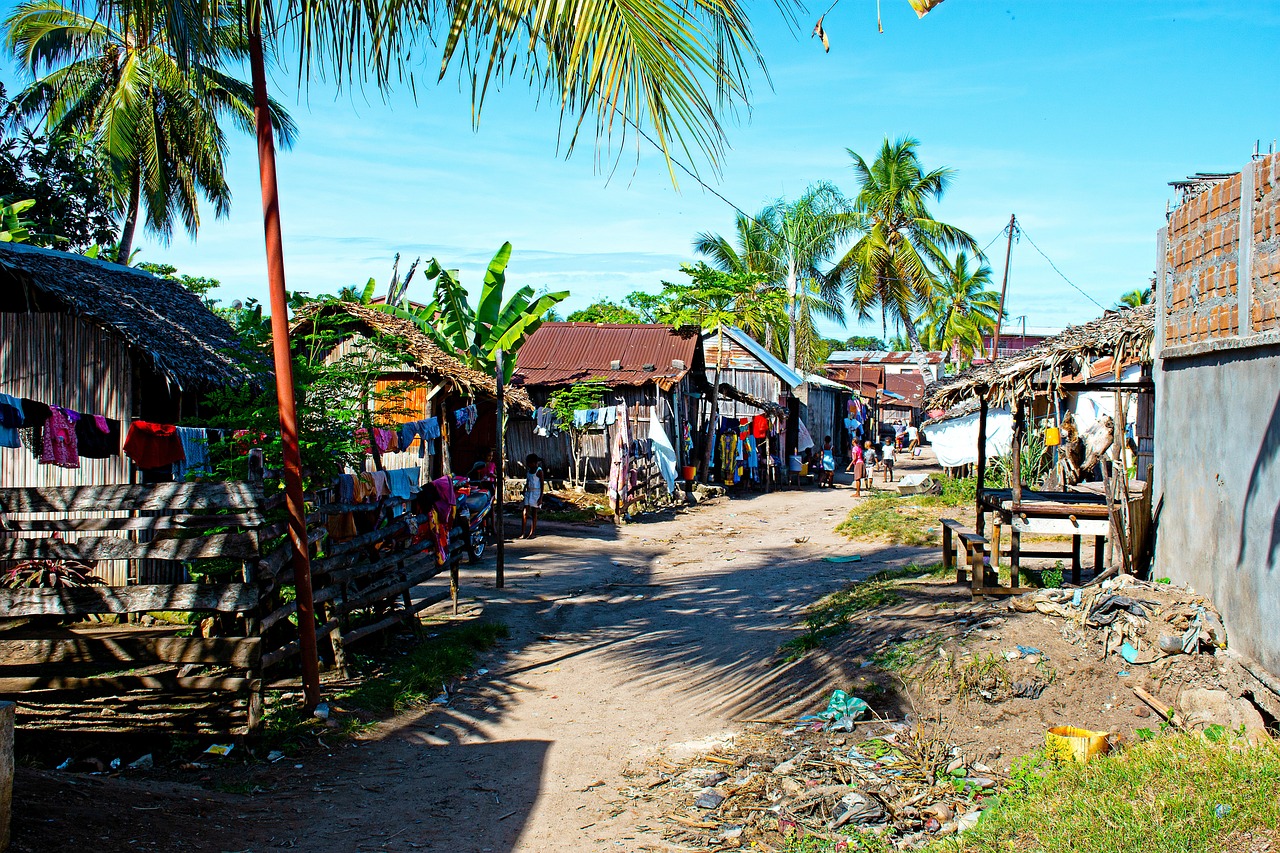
{"points": [[623, 643]]}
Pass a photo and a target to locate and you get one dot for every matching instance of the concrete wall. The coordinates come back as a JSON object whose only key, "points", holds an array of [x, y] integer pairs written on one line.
{"points": [[1217, 373]]}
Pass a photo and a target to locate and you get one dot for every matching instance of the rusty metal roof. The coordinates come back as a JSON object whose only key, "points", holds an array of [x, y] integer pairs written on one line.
{"points": [[908, 386], [614, 353], [882, 357]]}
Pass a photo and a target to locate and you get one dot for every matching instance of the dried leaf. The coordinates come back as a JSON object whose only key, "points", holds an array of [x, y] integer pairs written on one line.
{"points": [[924, 7], [822, 34]]}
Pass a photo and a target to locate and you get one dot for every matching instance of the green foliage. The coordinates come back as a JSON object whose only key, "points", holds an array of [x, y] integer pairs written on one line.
{"points": [[1052, 578], [961, 309], [605, 311], [564, 402], [1036, 460], [473, 335], [714, 298], [1160, 795], [199, 285], [865, 342], [1136, 298], [832, 615], [14, 227]]}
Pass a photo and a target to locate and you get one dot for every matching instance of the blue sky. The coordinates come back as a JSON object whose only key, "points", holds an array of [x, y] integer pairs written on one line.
{"points": [[1073, 115]]}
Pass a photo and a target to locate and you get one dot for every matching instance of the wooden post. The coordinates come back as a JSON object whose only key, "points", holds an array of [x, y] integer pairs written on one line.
{"points": [[283, 363], [980, 521], [500, 486], [7, 712], [713, 419], [1075, 559], [1019, 428]]}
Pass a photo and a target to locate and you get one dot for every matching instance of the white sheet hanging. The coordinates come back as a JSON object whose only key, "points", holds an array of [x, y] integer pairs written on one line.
{"points": [[955, 442], [663, 450]]}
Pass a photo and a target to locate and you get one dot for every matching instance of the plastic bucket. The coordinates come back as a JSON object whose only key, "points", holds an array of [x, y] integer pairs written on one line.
{"points": [[1052, 438], [1068, 743], [688, 472]]}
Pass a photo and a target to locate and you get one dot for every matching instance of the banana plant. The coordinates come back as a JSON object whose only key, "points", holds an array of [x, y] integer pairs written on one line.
{"points": [[473, 335], [14, 227]]}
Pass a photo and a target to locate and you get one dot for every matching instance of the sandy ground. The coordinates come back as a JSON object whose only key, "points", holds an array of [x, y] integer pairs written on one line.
{"points": [[623, 642]]}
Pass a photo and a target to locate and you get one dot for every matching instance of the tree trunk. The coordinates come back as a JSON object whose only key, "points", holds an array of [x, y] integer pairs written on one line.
{"points": [[130, 226], [713, 415], [791, 311], [910, 329]]}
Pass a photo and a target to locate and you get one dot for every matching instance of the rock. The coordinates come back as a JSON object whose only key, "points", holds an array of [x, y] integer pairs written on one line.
{"points": [[967, 821], [1141, 711], [146, 762], [713, 780], [956, 764], [1201, 708], [709, 799], [1022, 604]]}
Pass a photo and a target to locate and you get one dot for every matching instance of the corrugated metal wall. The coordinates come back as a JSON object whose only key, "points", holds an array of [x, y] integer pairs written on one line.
{"points": [[64, 361]]}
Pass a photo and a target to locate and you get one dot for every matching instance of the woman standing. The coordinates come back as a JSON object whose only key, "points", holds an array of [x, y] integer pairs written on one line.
{"points": [[857, 465]]}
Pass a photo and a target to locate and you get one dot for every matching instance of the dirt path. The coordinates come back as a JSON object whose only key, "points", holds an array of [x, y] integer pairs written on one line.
{"points": [[659, 634]]}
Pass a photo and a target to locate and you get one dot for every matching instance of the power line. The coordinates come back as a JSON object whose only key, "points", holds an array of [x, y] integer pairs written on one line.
{"points": [[1024, 233]]}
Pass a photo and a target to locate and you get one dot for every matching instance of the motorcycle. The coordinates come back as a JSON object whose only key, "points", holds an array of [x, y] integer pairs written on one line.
{"points": [[475, 513]]}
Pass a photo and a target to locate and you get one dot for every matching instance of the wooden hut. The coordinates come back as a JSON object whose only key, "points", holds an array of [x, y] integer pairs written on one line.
{"points": [[428, 383], [1117, 510], [104, 339], [643, 366]]}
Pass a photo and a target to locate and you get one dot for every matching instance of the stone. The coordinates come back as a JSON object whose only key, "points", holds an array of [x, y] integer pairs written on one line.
{"points": [[709, 799], [1201, 708], [1141, 711]]}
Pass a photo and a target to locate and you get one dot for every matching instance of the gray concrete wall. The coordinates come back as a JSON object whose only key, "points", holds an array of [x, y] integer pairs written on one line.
{"points": [[1217, 498]]}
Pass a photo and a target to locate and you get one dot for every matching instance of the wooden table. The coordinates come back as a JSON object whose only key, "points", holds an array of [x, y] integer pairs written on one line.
{"points": [[1076, 513]]}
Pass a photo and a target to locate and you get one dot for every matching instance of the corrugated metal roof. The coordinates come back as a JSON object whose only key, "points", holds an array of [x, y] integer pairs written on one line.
{"points": [[564, 353], [908, 386], [861, 376], [769, 360], [882, 357]]}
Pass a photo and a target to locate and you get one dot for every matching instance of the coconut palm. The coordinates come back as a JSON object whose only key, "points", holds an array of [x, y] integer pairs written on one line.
{"points": [[892, 265], [961, 309], [1136, 298], [154, 119], [790, 243]]}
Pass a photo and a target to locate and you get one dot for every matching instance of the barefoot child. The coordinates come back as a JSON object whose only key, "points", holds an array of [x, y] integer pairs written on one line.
{"points": [[532, 495]]}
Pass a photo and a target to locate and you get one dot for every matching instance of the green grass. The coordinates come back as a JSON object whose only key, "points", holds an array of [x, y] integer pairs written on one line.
{"points": [[391, 685], [1169, 794], [830, 616], [911, 520], [1157, 796]]}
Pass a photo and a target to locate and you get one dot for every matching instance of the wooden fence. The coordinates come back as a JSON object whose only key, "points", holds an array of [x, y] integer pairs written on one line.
{"points": [[194, 655]]}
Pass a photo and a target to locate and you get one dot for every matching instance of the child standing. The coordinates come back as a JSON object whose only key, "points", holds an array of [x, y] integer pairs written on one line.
{"points": [[869, 462], [828, 464], [858, 466], [888, 461], [532, 496]]}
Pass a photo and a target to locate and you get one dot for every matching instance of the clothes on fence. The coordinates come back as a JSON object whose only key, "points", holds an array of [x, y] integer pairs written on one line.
{"points": [[97, 437], [10, 421], [381, 488], [663, 450], [341, 527], [382, 439], [59, 444], [403, 483], [152, 445], [620, 463], [364, 489], [544, 420], [346, 489], [195, 451], [427, 430], [753, 459], [440, 517], [31, 434]]}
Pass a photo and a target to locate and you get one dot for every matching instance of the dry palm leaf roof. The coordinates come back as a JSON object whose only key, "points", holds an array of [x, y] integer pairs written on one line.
{"points": [[422, 353], [160, 319], [1124, 336]]}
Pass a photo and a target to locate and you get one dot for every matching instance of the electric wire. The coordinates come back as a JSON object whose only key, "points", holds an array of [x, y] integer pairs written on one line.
{"points": [[1058, 271]]}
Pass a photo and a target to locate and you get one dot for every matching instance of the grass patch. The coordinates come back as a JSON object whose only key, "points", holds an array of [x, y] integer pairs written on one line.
{"points": [[902, 655], [910, 520], [389, 684], [830, 616], [1174, 793]]}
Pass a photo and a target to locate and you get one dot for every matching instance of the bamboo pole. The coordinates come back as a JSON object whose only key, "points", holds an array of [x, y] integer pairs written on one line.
{"points": [[284, 366], [500, 486]]}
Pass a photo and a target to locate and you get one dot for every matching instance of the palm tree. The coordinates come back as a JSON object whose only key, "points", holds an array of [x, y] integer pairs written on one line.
{"points": [[961, 310], [156, 123], [1136, 298], [891, 266], [790, 243]]}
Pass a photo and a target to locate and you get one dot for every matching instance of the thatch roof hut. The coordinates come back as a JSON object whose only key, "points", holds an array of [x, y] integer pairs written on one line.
{"points": [[160, 320], [1124, 336], [423, 356]]}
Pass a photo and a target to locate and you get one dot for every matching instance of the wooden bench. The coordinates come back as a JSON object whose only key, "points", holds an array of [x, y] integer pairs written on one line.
{"points": [[953, 533]]}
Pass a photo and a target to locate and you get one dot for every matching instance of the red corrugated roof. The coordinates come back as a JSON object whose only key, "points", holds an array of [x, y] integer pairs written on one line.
{"points": [[564, 353], [909, 386]]}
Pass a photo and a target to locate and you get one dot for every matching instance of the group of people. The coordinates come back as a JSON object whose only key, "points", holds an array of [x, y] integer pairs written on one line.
{"points": [[867, 457]]}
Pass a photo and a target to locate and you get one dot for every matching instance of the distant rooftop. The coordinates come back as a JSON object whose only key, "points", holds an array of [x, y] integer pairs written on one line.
{"points": [[883, 357]]}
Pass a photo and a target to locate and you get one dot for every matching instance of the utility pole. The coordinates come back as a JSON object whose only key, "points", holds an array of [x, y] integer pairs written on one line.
{"points": [[1004, 285]]}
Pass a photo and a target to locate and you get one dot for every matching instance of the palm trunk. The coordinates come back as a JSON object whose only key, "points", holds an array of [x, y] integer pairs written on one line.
{"points": [[130, 226], [910, 328], [791, 312], [713, 415]]}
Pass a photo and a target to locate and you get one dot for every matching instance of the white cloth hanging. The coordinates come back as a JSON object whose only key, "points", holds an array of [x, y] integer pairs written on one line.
{"points": [[663, 450]]}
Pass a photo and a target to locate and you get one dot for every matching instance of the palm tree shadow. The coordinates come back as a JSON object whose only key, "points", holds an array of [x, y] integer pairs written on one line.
{"points": [[1262, 474]]}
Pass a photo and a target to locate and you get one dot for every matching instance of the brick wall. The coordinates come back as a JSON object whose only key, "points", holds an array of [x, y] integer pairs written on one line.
{"points": [[1205, 256]]}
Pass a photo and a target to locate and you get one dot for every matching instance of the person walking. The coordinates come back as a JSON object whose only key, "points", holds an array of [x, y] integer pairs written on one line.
{"points": [[857, 465]]}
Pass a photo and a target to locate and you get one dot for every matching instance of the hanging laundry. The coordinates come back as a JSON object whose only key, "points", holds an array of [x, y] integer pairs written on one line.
{"points": [[152, 445], [60, 439], [544, 421], [583, 418], [663, 450], [341, 526], [804, 441], [620, 464], [195, 451], [10, 421], [381, 488], [466, 417], [428, 430], [382, 439], [609, 415], [97, 437], [759, 426], [364, 488], [31, 434], [403, 483], [346, 489]]}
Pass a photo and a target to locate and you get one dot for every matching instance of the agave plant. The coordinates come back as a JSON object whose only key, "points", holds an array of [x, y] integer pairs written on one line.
{"points": [[473, 335], [49, 574]]}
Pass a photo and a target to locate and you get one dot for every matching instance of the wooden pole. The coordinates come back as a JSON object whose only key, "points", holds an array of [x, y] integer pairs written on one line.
{"points": [[979, 524], [7, 712], [499, 491], [1004, 286], [713, 414], [1016, 453], [284, 367]]}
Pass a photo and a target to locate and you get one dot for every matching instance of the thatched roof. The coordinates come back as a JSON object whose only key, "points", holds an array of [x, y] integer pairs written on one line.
{"points": [[160, 319], [422, 353], [1125, 336]]}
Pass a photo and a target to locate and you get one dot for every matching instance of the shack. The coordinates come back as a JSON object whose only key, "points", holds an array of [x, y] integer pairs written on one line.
{"points": [[1034, 382], [428, 384], [99, 338], [647, 368]]}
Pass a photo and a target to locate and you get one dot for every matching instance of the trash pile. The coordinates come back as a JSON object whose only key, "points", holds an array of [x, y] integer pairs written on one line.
{"points": [[833, 776], [1140, 621]]}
